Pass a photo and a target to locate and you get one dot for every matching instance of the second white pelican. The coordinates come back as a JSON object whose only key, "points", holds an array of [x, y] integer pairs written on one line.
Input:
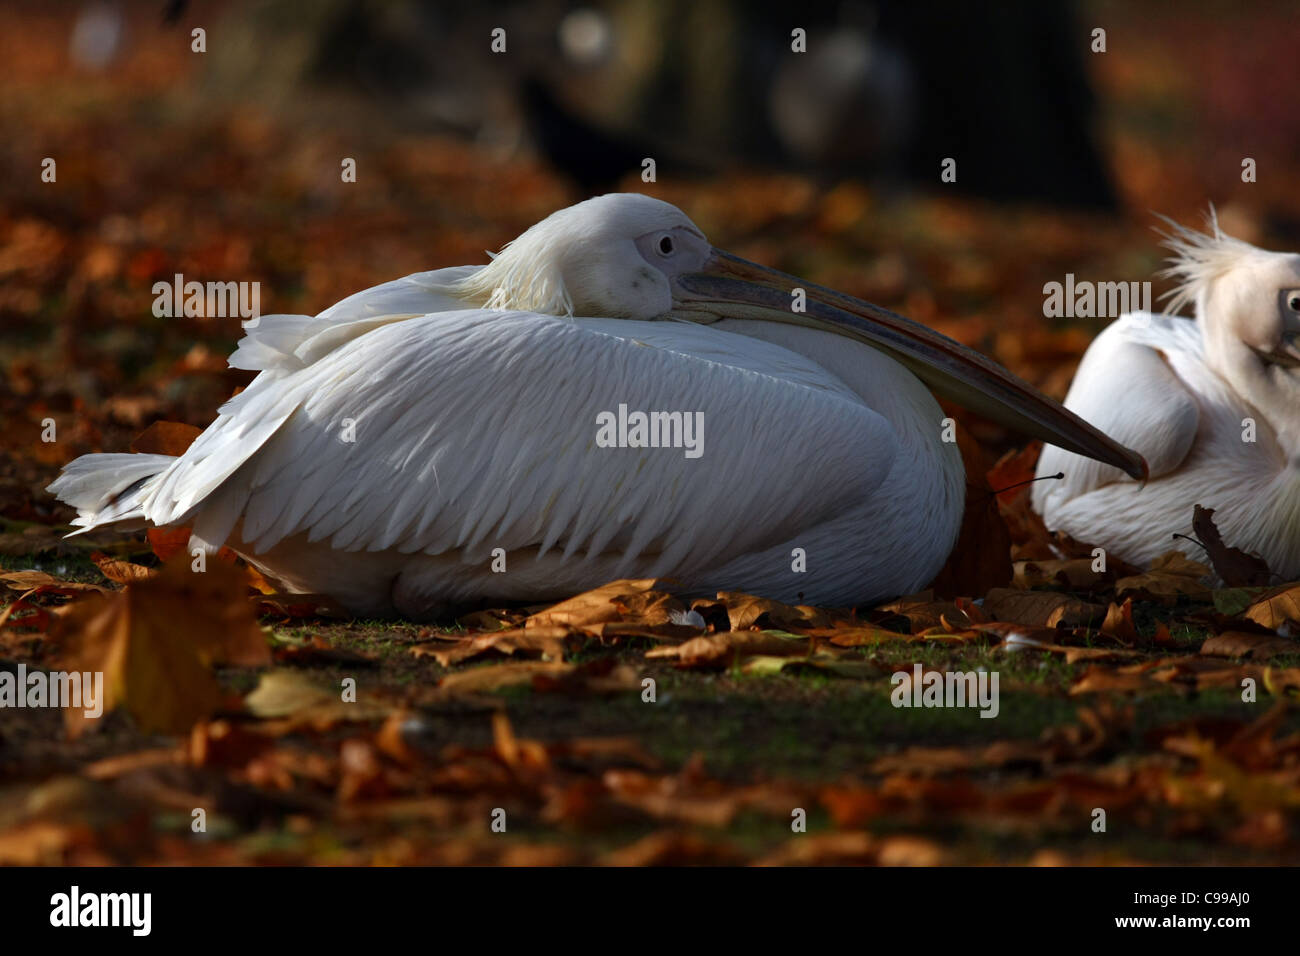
{"points": [[609, 397], [1213, 405]]}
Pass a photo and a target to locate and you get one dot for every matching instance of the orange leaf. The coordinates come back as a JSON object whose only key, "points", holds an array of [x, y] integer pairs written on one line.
{"points": [[155, 641], [118, 571], [168, 542]]}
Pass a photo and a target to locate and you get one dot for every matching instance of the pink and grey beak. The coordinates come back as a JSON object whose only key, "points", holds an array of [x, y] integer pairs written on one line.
{"points": [[731, 287]]}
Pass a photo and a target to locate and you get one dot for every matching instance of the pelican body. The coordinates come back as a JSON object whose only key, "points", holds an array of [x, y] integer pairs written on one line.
{"points": [[449, 437], [1213, 404]]}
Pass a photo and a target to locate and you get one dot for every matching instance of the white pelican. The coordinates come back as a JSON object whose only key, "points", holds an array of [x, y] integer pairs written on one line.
{"points": [[437, 439], [1212, 404]]}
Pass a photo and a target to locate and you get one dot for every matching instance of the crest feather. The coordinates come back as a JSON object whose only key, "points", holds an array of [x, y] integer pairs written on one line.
{"points": [[1198, 258], [519, 279]]}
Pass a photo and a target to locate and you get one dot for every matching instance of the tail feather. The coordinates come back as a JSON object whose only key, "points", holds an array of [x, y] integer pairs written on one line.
{"points": [[107, 489]]}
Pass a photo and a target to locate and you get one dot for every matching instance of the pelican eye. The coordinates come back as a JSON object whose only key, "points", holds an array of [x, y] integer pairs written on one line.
{"points": [[666, 248], [1294, 303]]}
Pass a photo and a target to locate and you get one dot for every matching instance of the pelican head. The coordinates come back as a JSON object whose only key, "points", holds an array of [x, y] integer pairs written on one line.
{"points": [[630, 256], [612, 256], [1245, 298]]}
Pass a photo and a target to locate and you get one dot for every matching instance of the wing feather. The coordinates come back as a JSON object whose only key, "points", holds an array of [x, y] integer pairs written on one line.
{"points": [[476, 430]]}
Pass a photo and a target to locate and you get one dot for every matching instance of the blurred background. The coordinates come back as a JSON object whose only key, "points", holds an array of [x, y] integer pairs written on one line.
{"points": [[225, 164]]}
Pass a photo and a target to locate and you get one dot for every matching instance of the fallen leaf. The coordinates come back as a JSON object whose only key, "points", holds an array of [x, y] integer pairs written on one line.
{"points": [[825, 849], [718, 650], [746, 611], [859, 636], [31, 580], [1236, 567], [641, 601], [155, 641], [121, 572], [301, 606], [601, 676], [853, 668], [1255, 646], [545, 641], [496, 676], [1276, 608], [672, 848], [167, 543], [286, 693], [1171, 575], [1077, 574], [923, 611], [1041, 608], [1119, 622]]}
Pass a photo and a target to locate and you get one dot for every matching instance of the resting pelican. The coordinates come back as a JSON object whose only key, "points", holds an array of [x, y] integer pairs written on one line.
{"points": [[445, 437], [1212, 404]]}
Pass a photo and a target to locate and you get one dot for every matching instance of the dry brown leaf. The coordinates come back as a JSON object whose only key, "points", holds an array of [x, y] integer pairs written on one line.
{"points": [[1171, 575], [1098, 678], [297, 605], [1185, 673], [923, 611], [167, 543], [1237, 568], [121, 572], [835, 665], [492, 619], [1275, 608], [41, 842], [852, 848], [496, 676], [601, 676], [1243, 644], [31, 580], [1279, 680], [663, 803], [282, 693], [286, 693], [1006, 630], [1074, 573], [672, 848], [545, 641], [859, 636], [1119, 622], [718, 650], [643, 601], [745, 611], [1040, 608], [1096, 654], [905, 850], [155, 642]]}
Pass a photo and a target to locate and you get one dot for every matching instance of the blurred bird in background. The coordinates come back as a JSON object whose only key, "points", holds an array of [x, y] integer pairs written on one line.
{"points": [[1212, 403]]}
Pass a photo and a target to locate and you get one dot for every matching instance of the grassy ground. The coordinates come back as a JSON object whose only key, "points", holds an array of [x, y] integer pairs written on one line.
{"points": [[710, 771]]}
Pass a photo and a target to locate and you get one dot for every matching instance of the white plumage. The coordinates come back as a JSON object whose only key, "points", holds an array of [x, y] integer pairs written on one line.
{"points": [[1211, 403], [390, 446]]}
